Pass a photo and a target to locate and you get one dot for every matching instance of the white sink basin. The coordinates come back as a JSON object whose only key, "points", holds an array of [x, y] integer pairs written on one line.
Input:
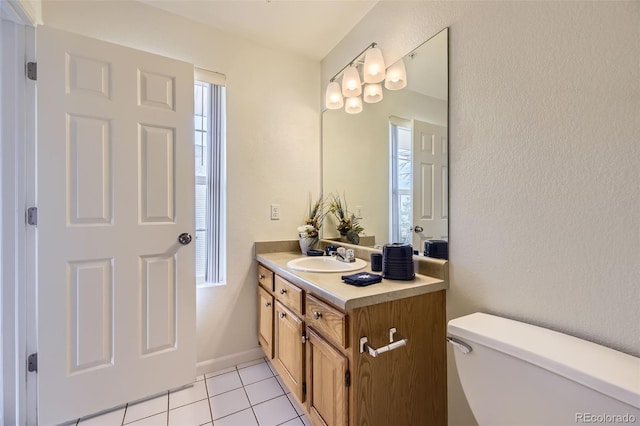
{"points": [[324, 264]]}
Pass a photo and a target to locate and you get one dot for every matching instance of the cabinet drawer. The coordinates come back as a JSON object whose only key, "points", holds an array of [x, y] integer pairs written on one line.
{"points": [[289, 294], [265, 278], [327, 320]]}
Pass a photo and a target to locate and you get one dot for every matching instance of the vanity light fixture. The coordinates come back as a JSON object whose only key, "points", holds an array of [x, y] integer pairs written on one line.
{"points": [[373, 73], [351, 85], [333, 97], [374, 69], [353, 105], [372, 93], [396, 78]]}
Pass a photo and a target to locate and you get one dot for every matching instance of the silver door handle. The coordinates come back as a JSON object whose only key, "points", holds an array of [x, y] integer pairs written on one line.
{"points": [[184, 238], [418, 229]]}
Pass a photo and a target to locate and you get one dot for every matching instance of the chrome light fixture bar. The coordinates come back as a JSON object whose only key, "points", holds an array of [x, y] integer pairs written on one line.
{"points": [[374, 72]]}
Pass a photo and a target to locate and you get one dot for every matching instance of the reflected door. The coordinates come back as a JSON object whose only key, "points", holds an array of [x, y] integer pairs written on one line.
{"points": [[116, 290], [430, 183]]}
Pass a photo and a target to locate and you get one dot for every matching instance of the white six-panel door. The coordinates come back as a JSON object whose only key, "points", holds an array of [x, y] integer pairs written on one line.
{"points": [[116, 291], [430, 194]]}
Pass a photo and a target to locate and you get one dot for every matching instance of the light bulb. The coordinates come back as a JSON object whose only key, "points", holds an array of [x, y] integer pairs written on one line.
{"points": [[373, 66], [333, 98], [396, 76], [351, 85], [372, 93], [353, 105]]}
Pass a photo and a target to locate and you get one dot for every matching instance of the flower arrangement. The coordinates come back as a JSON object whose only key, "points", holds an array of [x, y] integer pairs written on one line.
{"points": [[310, 231], [348, 224]]}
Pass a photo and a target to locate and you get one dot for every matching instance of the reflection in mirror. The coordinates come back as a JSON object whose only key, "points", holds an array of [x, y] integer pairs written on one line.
{"points": [[391, 160]]}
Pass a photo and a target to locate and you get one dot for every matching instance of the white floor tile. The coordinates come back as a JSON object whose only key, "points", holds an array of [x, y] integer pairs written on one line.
{"points": [[194, 414], [185, 396], [228, 403], [250, 363], [295, 404], [274, 411], [263, 390], [255, 373], [112, 418], [200, 377], [295, 422], [243, 418], [157, 420], [272, 368], [146, 408], [223, 383], [282, 384], [219, 372]]}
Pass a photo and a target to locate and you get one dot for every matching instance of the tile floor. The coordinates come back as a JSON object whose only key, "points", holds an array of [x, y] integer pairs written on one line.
{"points": [[245, 395]]}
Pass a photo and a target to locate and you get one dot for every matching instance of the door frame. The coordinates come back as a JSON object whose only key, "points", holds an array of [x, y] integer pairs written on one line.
{"points": [[18, 252]]}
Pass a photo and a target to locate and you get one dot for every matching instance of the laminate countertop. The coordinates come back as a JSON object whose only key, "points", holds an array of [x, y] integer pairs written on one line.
{"points": [[330, 287]]}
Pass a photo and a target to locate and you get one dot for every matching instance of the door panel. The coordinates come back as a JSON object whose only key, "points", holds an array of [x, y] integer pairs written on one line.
{"points": [[430, 208], [289, 349], [116, 291]]}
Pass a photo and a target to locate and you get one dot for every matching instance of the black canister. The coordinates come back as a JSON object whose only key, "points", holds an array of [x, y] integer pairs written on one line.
{"points": [[397, 262], [376, 262]]}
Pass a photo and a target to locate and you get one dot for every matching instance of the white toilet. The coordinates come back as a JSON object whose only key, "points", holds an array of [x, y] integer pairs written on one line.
{"points": [[519, 374]]}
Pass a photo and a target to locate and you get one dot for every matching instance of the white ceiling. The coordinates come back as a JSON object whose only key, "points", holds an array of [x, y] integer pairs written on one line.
{"points": [[307, 27]]}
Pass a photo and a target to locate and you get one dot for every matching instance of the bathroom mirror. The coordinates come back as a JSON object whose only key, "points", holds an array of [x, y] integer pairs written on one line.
{"points": [[390, 162]]}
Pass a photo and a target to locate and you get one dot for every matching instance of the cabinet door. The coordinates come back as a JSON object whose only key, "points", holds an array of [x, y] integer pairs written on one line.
{"points": [[265, 321], [327, 382], [289, 349]]}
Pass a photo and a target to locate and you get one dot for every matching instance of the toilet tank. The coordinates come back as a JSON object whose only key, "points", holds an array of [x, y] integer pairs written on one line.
{"points": [[521, 374]]}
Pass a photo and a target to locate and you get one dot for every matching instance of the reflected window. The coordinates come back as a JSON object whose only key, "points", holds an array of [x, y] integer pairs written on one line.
{"points": [[401, 180]]}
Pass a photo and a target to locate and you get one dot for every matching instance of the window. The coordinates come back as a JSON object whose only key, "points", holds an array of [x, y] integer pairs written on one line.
{"points": [[209, 136], [401, 180]]}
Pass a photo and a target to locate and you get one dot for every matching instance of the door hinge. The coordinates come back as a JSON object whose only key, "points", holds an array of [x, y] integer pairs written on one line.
{"points": [[32, 363], [347, 379], [32, 70], [32, 216]]}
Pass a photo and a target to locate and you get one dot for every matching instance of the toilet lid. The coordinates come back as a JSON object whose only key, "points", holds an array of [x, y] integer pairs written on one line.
{"points": [[603, 369]]}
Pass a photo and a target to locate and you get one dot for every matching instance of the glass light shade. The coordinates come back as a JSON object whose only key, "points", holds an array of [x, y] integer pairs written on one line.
{"points": [[374, 69], [372, 93], [351, 85], [333, 98], [396, 78], [353, 105]]}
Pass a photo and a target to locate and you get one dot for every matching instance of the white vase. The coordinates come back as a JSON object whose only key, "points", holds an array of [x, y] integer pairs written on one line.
{"points": [[307, 243]]}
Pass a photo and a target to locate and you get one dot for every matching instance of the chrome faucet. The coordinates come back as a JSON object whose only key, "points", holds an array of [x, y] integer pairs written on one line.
{"points": [[344, 255]]}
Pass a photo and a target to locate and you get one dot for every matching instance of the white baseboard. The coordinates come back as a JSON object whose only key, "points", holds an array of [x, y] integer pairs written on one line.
{"points": [[215, 364]]}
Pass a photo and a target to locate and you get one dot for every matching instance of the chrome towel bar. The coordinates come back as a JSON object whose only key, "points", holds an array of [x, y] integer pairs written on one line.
{"points": [[364, 344]]}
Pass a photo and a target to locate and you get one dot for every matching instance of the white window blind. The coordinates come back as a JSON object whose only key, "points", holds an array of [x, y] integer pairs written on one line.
{"points": [[209, 136]]}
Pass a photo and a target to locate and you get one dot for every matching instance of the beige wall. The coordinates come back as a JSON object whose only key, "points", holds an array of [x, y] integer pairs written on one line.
{"points": [[544, 176], [273, 128]]}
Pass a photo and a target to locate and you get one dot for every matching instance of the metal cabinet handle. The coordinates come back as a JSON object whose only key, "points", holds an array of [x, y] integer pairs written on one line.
{"points": [[317, 315], [282, 315], [261, 277], [283, 291], [393, 344], [267, 304]]}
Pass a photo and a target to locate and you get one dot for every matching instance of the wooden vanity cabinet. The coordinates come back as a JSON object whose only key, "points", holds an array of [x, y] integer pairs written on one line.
{"points": [[265, 321], [315, 348], [328, 380]]}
